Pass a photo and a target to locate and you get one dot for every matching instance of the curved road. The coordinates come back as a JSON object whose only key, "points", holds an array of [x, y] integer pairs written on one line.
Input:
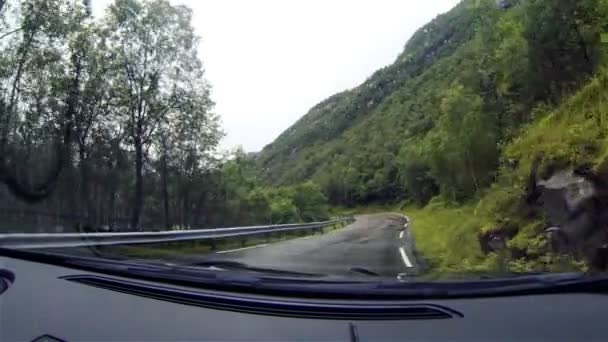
{"points": [[373, 242]]}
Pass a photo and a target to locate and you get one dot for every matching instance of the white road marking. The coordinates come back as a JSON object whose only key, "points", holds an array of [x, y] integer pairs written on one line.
{"points": [[242, 249], [401, 235], [405, 258]]}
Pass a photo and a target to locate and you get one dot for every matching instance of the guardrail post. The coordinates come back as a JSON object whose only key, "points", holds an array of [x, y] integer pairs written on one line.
{"points": [[243, 241], [213, 244]]}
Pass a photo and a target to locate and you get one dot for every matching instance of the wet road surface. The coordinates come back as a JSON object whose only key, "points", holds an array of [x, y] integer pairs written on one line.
{"points": [[375, 242]]}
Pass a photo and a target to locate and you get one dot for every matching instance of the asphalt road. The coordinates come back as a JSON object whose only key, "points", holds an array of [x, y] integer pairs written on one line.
{"points": [[377, 243]]}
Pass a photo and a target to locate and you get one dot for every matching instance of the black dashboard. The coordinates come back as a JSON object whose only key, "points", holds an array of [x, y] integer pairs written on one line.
{"points": [[55, 303]]}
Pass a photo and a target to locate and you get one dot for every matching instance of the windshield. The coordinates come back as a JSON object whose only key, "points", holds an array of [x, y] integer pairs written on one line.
{"points": [[370, 140]]}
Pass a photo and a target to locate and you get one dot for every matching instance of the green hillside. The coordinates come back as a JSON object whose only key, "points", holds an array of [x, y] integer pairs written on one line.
{"points": [[477, 96], [574, 134], [333, 117], [390, 138]]}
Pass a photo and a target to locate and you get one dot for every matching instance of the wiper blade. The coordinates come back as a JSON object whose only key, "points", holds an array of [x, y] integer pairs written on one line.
{"points": [[527, 284], [179, 268], [327, 286], [121, 264], [239, 266], [364, 271]]}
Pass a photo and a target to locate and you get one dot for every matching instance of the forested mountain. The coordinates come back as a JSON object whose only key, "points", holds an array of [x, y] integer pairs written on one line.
{"points": [[463, 87], [486, 103], [332, 117]]}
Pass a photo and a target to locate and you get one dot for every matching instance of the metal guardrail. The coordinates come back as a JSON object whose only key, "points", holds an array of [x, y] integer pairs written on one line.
{"points": [[32, 241]]}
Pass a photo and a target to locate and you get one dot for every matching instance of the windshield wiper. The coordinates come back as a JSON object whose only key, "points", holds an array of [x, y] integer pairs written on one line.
{"points": [[523, 285], [263, 281], [365, 271], [203, 267], [239, 266]]}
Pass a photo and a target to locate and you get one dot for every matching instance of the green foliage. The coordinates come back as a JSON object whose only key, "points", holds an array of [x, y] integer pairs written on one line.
{"points": [[282, 210], [416, 179], [563, 35], [258, 204], [310, 202], [529, 240], [446, 238], [475, 97], [247, 201], [295, 156], [438, 118], [572, 134], [547, 263], [436, 115], [463, 140], [126, 93], [500, 205], [500, 89], [456, 122]]}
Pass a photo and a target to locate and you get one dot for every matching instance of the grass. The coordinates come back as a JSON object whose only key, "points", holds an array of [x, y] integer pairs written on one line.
{"points": [[446, 239], [445, 236], [573, 134]]}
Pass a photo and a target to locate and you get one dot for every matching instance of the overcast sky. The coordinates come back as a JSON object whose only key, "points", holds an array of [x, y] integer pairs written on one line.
{"points": [[269, 61]]}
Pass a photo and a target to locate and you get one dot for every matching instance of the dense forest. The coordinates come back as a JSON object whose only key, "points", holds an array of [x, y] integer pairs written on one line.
{"points": [[486, 103], [107, 123]]}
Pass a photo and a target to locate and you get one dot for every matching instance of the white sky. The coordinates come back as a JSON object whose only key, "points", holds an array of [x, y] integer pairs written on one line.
{"points": [[270, 61]]}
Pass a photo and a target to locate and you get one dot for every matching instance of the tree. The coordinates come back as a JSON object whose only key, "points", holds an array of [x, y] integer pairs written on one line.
{"points": [[185, 144], [310, 201], [512, 85], [96, 105], [258, 206], [415, 175], [462, 150], [563, 38], [155, 60], [39, 84], [82, 102], [283, 211]]}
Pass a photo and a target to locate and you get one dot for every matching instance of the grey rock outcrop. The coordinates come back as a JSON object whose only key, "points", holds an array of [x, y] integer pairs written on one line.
{"points": [[574, 212]]}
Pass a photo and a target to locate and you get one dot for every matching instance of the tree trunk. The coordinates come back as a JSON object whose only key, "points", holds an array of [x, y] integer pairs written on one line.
{"points": [[199, 210], [165, 181], [100, 210], [185, 205], [111, 205], [86, 202], [138, 200], [68, 190]]}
